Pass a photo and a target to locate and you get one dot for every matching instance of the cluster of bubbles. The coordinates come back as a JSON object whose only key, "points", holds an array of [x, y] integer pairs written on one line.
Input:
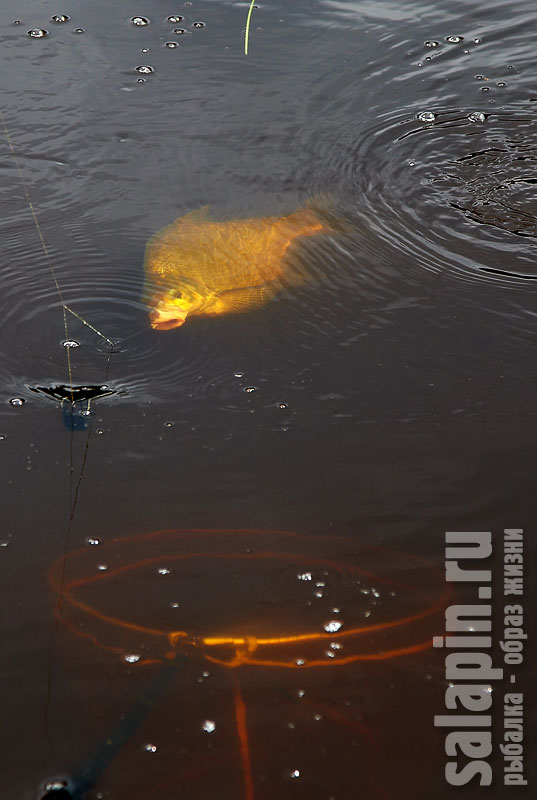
{"points": [[174, 19], [451, 39], [40, 33], [473, 116], [137, 21]]}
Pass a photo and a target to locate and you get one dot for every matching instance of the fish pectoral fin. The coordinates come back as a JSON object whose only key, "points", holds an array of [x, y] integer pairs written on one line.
{"points": [[237, 300]]}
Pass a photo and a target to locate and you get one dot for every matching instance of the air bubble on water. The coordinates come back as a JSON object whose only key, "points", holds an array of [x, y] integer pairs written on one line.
{"points": [[171, 45], [92, 541], [294, 773], [477, 41], [239, 374], [168, 424], [59, 18], [175, 18], [501, 83], [291, 725], [131, 658], [174, 605], [431, 43], [336, 645], [485, 89], [454, 39], [300, 662], [144, 50], [163, 571], [150, 748], [145, 69], [335, 610], [198, 24], [17, 22], [100, 432], [250, 389], [80, 30], [179, 31], [55, 786], [206, 674], [209, 726], [85, 412], [375, 592], [319, 593], [476, 116], [300, 693], [17, 401], [140, 80], [329, 654], [317, 717], [102, 567], [4, 543], [367, 613], [283, 405], [140, 22], [70, 343], [426, 116], [304, 576], [332, 626], [37, 33], [320, 584]]}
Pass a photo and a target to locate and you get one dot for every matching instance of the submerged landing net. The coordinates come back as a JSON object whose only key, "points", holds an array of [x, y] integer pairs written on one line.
{"points": [[249, 598]]}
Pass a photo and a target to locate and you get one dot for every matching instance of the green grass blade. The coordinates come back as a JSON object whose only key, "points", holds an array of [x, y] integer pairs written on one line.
{"points": [[247, 31]]}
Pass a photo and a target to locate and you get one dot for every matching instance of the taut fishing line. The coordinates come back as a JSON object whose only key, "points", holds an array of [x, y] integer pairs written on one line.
{"points": [[72, 398]]}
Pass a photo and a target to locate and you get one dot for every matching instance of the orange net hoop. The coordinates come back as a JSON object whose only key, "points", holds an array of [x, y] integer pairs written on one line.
{"points": [[95, 578]]}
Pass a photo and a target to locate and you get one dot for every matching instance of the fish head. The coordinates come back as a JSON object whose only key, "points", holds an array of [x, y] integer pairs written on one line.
{"points": [[171, 309]]}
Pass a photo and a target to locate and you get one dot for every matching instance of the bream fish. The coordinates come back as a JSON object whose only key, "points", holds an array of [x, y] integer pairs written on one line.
{"points": [[197, 266]]}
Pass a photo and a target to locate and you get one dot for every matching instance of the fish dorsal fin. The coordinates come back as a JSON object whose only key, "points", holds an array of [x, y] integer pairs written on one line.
{"points": [[237, 300], [196, 216]]}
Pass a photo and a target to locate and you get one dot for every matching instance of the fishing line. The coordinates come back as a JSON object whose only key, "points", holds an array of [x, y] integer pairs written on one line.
{"points": [[43, 245], [73, 490]]}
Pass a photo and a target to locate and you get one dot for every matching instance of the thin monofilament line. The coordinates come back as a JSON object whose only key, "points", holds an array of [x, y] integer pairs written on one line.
{"points": [[90, 326], [44, 246]]}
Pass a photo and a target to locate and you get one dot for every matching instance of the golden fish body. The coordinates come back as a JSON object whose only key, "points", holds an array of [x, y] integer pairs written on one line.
{"points": [[197, 266]]}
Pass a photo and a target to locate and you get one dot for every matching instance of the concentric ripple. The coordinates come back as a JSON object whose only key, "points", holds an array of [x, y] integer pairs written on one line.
{"points": [[454, 191]]}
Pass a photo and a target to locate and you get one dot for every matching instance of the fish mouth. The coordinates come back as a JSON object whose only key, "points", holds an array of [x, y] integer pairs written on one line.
{"points": [[165, 322]]}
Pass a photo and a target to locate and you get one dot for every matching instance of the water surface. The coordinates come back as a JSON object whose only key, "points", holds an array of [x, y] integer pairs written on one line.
{"points": [[389, 400]]}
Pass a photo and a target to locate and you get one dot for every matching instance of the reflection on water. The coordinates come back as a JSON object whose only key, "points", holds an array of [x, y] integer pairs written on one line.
{"points": [[382, 401]]}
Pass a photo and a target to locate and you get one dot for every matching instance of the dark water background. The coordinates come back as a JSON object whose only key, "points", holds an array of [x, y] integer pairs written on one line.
{"points": [[394, 397]]}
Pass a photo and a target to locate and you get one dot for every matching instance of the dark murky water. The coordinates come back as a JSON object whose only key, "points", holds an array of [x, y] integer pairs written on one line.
{"points": [[391, 399]]}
